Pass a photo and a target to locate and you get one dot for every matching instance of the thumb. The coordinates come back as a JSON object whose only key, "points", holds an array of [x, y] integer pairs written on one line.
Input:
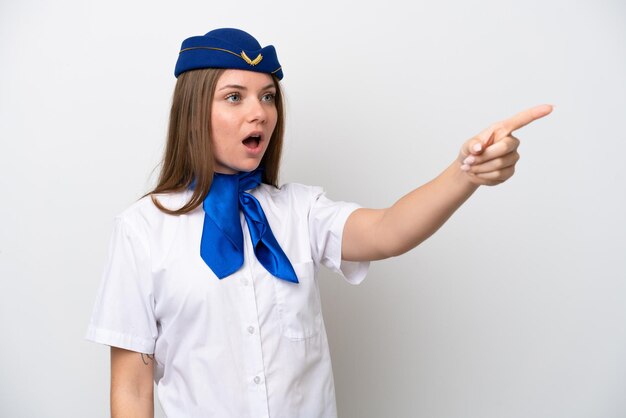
{"points": [[479, 143]]}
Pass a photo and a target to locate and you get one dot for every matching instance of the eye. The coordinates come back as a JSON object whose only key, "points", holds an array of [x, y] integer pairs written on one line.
{"points": [[233, 97], [268, 97]]}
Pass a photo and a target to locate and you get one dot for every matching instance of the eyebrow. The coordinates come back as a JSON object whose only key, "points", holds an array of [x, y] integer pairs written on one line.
{"points": [[238, 87]]}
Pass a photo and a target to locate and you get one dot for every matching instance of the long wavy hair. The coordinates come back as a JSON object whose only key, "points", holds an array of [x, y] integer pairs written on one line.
{"points": [[188, 155]]}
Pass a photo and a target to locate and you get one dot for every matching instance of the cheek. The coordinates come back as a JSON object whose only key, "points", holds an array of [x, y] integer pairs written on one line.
{"points": [[222, 128], [273, 119]]}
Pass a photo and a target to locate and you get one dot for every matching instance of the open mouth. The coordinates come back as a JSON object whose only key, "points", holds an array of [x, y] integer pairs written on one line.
{"points": [[252, 141]]}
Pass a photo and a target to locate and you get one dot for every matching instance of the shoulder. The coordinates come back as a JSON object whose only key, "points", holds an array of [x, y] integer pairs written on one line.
{"points": [[299, 195], [145, 215], [289, 190], [292, 194]]}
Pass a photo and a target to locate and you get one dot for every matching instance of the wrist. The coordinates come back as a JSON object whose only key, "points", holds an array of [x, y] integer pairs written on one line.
{"points": [[461, 178]]}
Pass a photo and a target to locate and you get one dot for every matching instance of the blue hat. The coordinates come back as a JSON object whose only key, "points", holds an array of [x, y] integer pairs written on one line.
{"points": [[227, 48]]}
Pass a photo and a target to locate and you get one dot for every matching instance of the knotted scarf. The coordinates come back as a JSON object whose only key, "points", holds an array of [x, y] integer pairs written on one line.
{"points": [[222, 246]]}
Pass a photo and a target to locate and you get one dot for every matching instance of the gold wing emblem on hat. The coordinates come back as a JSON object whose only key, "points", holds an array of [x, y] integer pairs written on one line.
{"points": [[253, 62]]}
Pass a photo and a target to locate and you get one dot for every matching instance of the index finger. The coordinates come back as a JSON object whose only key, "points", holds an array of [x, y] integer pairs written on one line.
{"points": [[524, 118]]}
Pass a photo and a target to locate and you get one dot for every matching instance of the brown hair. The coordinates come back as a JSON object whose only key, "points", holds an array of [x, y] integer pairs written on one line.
{"points": [[188, 156]]}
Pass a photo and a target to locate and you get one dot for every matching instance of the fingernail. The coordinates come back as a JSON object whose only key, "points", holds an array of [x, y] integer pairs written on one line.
{"points": [[477, 147], [465, 167], [469, 160]]}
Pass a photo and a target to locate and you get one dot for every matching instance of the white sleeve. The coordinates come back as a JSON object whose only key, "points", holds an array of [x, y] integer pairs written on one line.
{"points": [[123, 315], [326, 223]]}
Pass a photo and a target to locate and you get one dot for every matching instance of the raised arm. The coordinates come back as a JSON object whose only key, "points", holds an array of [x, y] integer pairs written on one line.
{"points": [[487, 159], [132, 384]]}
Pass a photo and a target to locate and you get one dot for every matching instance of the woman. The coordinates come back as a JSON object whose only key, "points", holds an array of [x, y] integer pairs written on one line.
{"points": [[210, 285]]}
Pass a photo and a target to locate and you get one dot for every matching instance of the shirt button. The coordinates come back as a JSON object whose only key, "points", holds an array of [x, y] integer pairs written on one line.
{"points": [[244, 281], [257, 379], [251, 329]]}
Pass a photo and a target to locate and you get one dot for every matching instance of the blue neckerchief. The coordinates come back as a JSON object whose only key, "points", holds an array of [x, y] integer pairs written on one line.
{"points": [[221, 246]]}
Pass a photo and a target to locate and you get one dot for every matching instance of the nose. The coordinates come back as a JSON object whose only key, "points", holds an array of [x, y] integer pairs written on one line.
{"points": [[257, 112]]}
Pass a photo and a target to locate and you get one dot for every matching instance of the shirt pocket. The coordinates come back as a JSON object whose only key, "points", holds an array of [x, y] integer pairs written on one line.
{"points": [[299, 304]]}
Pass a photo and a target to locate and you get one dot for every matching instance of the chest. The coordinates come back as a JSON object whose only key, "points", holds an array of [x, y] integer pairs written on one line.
{"points": [[189, 296]]}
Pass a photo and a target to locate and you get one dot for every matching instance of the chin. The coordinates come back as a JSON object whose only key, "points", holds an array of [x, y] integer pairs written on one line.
{"points": [[251, 168], [234, 169]]}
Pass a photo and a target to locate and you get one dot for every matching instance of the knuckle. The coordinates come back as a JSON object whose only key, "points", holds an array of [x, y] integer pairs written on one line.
{"points": [[499, 129], [507, 173]]}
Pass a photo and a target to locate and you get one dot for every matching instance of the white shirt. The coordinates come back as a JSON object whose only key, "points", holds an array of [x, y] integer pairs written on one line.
{"points": [[249, 345]]}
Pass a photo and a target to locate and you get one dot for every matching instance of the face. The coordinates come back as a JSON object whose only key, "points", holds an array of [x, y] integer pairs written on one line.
{"points": [[243, 117]]}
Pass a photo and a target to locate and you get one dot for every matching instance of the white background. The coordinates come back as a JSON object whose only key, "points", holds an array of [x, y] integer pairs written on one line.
{"points": [[516, 308]]}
